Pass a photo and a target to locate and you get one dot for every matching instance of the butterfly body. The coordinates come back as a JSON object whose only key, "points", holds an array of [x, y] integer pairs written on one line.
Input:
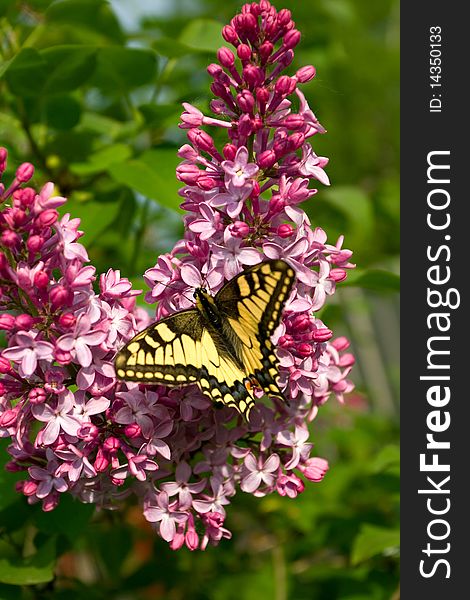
{"points": [[222, 344]]}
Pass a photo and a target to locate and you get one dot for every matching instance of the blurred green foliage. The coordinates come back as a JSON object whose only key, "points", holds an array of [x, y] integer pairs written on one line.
{"points": [[93, 101]]}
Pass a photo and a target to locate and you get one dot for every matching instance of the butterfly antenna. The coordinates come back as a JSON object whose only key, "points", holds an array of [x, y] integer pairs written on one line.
{"points": [[169, 285]]}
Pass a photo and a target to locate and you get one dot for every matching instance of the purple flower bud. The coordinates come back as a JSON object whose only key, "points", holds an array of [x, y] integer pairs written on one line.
{"points": [[19, 217], [246, 101], [111, 445], [63, 357], [292, 38], [10, 239], [245, 125], [286, 59], [3, 159], [221, 91], [177, 541], [132, 430], [24, 172], [338, 274], [7, 322], [30, 488], [301, 323], [276, 204], [286, 341], [9, 417], [88, 432], [239, 229], [285, 85], [340, 343], [244, 52], [303, 349], [295, 141], [253, 76], [101, 462], [266, 159], [24, 322], [67, 320], [225, 57], [4, 261], [35, 243], [285, 230], [47, 218], [187, 173], [202, 140], [305, 74], [41, 280], [265, 50], [25, 196], [281, 147], [191, 540], [322, 335], [289, 485], [37, 395], [206, 182], [5, 366], [284, 16], [60, 296], [230, 35], [314, 468], [229, 151], [215, 70], [347, 360], [256, 190], [293, 122]]}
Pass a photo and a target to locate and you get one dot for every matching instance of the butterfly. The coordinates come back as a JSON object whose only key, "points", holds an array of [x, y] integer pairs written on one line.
{"points": [[222, 344]]}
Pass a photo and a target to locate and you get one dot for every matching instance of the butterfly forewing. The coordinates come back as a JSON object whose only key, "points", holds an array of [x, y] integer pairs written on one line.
{"points": [[180, 350], [223, 360]]}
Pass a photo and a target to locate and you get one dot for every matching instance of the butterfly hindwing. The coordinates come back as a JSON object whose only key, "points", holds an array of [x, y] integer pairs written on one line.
{"points": [[252, 304]]}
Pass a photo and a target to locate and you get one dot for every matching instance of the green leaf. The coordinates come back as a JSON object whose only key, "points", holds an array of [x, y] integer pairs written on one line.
{"points": [[373, 540], [102, 159], [70, 518], [26, 73], [96, 15], [38, 568], [353, 203], [68, 67], [120, 70], [388, 459], [156, 180], [8, 494], [203, 35], [95, 217], [62, 112], [373, 279], [5, 5], [171, 48], [156, 114]]}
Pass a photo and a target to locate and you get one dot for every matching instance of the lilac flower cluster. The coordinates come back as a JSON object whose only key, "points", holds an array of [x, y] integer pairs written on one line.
{"points": [[72, 426]]}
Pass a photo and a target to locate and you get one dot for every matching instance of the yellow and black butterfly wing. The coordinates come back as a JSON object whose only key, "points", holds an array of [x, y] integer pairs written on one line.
{"points": [[251, 304], [179, 350]]}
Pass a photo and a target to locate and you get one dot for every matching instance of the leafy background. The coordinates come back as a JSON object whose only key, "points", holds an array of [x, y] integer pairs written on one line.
{"points": [[90, 92]]}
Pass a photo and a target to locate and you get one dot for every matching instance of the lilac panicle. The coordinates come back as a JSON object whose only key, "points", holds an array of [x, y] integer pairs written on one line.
{"points": [[72, 427]]}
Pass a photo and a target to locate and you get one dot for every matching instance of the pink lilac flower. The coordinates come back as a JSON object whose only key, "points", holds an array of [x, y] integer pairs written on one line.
{"points": [[259, 471], [162, 512], [72, 426]]}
